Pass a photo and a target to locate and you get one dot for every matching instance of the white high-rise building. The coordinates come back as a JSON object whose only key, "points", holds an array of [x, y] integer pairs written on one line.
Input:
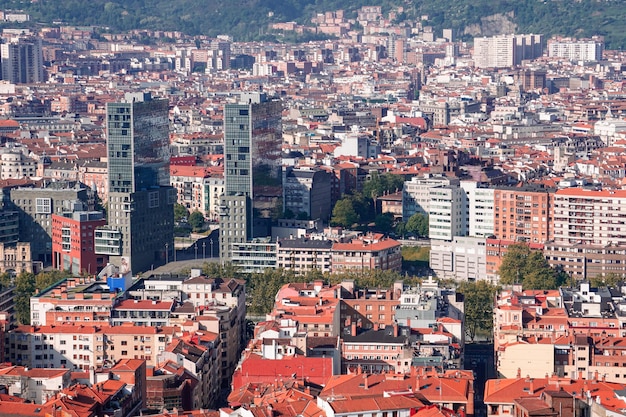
{"points": [[479, 209], [505, 51], [576, 49]]}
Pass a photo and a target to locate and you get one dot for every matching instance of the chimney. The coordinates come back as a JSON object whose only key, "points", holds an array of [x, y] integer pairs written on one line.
{"points": [[375, 327], [395, 329], [531, 388], [519, 372], [348, 321], [365, 382], [353, 329], [595, 376]]}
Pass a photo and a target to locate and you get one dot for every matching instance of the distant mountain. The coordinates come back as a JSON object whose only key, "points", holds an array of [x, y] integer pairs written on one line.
{"points": [[249, 19]]}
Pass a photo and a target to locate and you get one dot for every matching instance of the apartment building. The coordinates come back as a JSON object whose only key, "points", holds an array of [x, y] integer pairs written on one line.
{"points": [[34, 385], [85, 346], [368, 252], [73, 300], [523, 214], [303, 255], [589, 237], [198, 188]]}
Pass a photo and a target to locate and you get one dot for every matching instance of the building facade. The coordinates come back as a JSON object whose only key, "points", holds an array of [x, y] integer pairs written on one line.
{"points": [[141, 201], [253, 169]]}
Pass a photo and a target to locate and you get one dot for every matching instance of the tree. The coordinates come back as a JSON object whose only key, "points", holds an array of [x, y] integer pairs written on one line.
{"points": [[180, 212], [196, 220], [529, 268], [344, 213], [400, 229], [24, 289], [418, 224], [479, 299], [384, 222], [608, 280], [5, 280]]}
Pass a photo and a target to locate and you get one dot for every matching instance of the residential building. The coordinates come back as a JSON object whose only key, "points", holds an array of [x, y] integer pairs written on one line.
{"points": [[307, 191], [140, 196], [576, 49], [303, 255], [368, 252], [22, 61], [523, 214], [252, 169], [34, 385], [480, 205], [503, 51], [73, 244], [149, 313], [255, 255], [14, 164], [17, 258], [198, 188], [447, 212]]}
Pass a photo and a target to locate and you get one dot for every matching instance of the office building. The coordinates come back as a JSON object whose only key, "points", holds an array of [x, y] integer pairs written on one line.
{"points": [[253, 170], [141, 200], [22, 61]]}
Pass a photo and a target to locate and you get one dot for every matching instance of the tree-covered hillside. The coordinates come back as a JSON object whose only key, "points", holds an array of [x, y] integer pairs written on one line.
{"points": [[249, 19]]}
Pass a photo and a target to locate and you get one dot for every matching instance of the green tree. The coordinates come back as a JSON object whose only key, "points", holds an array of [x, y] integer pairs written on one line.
{"points": [[479, 299], [180, 212], [196, 220], [344, 213], [24, 289], [400, 229], [5, 280], [379, 185], [418, 224], [529, 268], [384, 222], [608, 280]]}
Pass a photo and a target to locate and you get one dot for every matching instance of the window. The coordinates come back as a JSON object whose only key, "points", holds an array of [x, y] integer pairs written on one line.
{"points": [[43, 206], [153, 199]]}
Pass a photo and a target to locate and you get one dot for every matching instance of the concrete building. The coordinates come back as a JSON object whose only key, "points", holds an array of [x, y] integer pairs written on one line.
{"points": [[34, 385], [576, 49], [447, 212], [503, 51], [307, 190], [480, 204], [22, 61], [36, 207], [198, 189], [460, 259], [141, 200], [15, 164], [253, 171], [416, 195], [73, 247], [255, 255]]}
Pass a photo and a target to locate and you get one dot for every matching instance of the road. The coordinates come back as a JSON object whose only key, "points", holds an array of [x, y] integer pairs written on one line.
{"points": [[479, 358]]}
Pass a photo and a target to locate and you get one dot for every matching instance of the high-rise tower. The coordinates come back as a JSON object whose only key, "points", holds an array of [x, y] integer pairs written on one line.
{"points": [[141, 201], [22, 61], [252, 171]]}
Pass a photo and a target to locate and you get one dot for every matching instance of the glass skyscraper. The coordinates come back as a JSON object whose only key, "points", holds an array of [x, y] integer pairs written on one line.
{"points": [[252, 169], [140, 197]]}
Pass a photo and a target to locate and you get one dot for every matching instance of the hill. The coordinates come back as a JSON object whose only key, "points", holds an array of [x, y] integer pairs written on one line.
{"points": [[249, 19]]}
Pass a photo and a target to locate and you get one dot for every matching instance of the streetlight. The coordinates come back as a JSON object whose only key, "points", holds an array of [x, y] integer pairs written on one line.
{"points": [[203, 250], [211, 242], [167, 245], [196, 246]]}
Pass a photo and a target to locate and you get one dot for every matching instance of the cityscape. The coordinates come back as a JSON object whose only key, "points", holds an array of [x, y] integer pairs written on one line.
{"points": [[388, 219]]}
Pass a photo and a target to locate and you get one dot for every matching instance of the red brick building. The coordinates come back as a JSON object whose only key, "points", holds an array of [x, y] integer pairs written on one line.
{"points": [[73, 242]]}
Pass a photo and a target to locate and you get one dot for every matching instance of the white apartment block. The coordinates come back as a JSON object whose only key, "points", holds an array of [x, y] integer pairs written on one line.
{"points": [[461, 259], [590, 217], [447, 212], [505, 51], [480, 209], [576, 49], [416, 194]]}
